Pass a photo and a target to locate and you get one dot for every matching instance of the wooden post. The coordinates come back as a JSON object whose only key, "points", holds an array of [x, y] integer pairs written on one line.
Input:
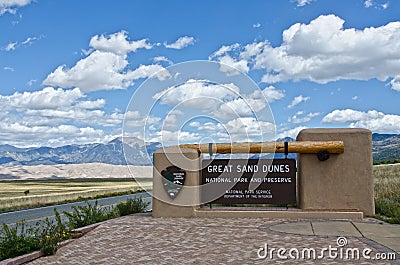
{"points": [[303, 147]]}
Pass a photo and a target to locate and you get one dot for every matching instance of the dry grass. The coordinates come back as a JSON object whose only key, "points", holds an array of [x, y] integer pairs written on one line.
{"points": [[45, 192], [387, 192]]}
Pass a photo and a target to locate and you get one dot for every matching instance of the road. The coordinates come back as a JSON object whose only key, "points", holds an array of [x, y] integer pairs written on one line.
{"points": [[33, 215]]}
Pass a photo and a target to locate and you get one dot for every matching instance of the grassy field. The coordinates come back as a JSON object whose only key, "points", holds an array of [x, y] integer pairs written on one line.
{"points": [[387, 192], [46, 192]]}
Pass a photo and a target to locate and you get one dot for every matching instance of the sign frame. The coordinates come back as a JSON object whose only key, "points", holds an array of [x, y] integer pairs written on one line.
{"points": [[248, 181]]}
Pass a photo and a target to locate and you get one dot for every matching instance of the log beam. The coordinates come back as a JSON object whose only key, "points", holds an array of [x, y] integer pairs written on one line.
{"points": [[303, 147]]}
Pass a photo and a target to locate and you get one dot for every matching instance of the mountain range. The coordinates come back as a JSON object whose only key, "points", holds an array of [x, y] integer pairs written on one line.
{"points": [[384, 147], [136, 153]]}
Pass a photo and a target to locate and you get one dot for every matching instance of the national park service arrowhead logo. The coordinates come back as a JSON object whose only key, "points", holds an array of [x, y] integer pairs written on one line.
{"points": [[173, 180]]}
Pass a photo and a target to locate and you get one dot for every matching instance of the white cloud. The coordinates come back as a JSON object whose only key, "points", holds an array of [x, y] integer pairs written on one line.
{"points": [[324, 51], [32, 117], [8, 68], [303, 2], [354, 98], [373, 120], [48, 98], [14, 45], [31, 82], [239, 129], [29, 41], [197, 93], [106, 67], [368, 3], [224, 50], [247, 128], [342, 116], [297, 100], [118, 43], [247, 105], [22, 135], [240, 65], [222, 56], [11, 6], [272, 94], [371, 3], [385, 5], [395, 83], [159, 59], [97, 104], [180, 43], [256, 25], [174, 137], [301, 117], [10, 47], [292, 133]]}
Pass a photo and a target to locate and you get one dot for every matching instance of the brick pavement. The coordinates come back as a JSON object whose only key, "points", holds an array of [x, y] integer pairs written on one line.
{"points": [[141, 239]]}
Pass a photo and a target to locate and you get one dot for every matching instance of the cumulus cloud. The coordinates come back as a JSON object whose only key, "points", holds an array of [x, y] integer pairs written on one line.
{"points": [[105, 67], [323, 51], [297, 100], [301, 117], [239, 129], [223, 56], [159, 59], [11, 6], [395, 83], [41, 117], [48, 98], [272, 94], [117, 43], [197, 93], [22, 135], [292, 133], [180, 43], [373, 120]]}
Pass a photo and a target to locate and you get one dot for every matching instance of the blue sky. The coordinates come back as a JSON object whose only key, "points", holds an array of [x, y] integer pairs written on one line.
{"points": [[69, 68]]}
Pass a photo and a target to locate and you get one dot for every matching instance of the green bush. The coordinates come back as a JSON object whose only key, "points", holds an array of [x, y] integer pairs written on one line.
{"points": [[50, 233], [131, 206], [88, 214], [16, 241]]}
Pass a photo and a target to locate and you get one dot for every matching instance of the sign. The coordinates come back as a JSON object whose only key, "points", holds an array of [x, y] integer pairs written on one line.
{"points": [[248, 181], [173, 179]]}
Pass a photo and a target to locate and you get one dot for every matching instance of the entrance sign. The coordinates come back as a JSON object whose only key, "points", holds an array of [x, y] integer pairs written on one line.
{"points": [[249, 181], [173, 180]]}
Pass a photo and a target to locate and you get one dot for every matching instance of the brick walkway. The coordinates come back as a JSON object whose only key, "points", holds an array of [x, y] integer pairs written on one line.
{"points": [[141, 239]]}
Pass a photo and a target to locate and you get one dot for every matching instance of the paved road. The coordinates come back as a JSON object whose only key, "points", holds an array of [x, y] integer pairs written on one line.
{"points": [[31, 216]]}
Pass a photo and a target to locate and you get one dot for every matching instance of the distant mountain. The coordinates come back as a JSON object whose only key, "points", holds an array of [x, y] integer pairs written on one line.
{"points": [[137, 152], [385, 147], [111, 153]]}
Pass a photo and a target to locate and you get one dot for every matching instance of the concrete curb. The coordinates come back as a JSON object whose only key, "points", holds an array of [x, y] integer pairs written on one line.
{"points": [[76, 233]]}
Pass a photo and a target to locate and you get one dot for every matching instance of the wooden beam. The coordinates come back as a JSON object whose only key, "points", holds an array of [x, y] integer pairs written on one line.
{"points": [[303, 147]]}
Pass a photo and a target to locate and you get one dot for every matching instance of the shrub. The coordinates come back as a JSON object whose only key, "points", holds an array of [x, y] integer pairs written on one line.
{"points": [[17, 240], [50, 233], [88, 214], [136, 205]]}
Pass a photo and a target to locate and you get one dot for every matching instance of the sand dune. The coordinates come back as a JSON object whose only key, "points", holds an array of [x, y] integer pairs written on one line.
{"points": [[62, 171]]}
